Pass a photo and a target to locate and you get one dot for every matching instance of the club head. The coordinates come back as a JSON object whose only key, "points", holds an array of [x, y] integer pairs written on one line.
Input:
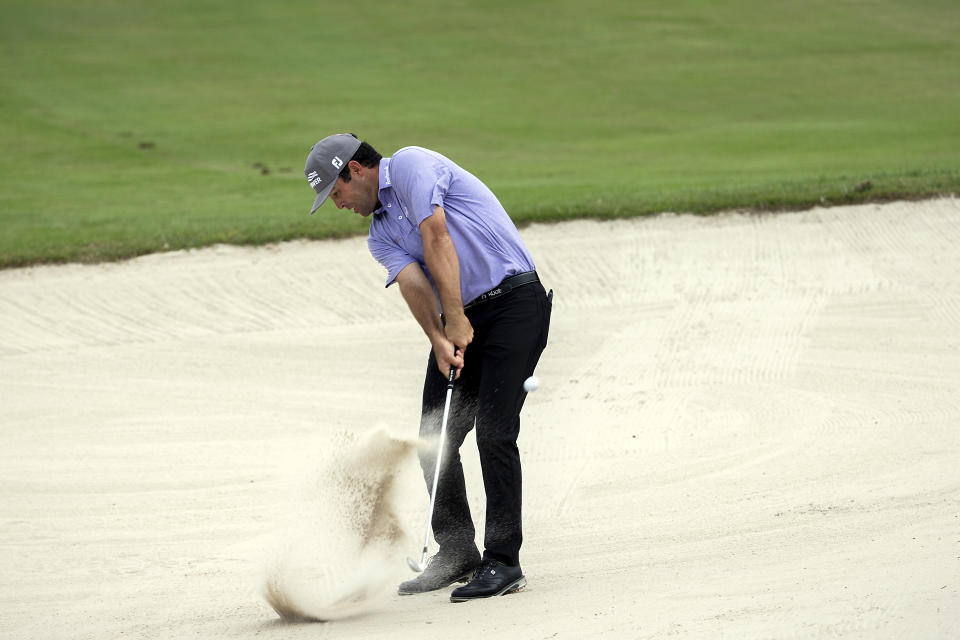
{"points": [[413, 564]]}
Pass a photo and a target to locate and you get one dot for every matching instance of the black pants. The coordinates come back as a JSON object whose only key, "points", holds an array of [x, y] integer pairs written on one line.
{"points": [[510, 333]]}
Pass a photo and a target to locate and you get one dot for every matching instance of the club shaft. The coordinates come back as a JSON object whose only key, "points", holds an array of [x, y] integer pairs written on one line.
{"points": [[436, 470]]}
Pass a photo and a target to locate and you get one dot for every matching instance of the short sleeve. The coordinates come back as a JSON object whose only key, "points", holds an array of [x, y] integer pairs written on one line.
{"points": [[391, 256], [421, 181]]}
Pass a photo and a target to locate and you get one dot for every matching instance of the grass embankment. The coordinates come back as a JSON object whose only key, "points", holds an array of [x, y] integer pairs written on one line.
{"points": [[137, 127]]}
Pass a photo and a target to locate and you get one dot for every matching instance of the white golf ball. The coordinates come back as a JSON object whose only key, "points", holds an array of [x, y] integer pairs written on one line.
{"points": [[531, 384]]}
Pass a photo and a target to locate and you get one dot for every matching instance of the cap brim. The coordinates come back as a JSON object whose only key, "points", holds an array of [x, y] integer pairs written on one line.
{"points": [[321, 197]]}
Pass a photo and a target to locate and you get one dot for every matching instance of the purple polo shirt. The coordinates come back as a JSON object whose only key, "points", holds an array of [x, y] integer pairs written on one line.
{"points": [[415, 181]]}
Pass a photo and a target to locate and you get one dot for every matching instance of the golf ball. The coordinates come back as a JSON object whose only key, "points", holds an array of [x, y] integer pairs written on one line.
{"points": [[531, 384]]}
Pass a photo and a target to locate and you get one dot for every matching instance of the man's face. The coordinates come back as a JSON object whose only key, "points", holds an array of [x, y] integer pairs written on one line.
{"points": [[360, 194]]}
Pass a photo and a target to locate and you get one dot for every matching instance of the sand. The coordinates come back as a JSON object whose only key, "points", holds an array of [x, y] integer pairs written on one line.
{"points": [[747, 427]]}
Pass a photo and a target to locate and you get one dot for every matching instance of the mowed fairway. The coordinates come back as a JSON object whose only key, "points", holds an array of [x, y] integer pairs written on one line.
{"points": [[138, 127]]}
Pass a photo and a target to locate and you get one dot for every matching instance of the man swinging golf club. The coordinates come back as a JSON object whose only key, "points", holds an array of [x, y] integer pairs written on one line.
{"points": [[470, 283]]}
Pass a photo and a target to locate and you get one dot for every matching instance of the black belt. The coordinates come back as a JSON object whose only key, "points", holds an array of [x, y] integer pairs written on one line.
{"points": [[509, 284]]}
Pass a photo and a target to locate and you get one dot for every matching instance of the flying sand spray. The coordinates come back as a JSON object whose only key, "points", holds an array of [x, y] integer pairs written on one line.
{"points": [[334, 557]]}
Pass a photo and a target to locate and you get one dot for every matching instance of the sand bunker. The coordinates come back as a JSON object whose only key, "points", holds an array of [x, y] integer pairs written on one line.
{"points": [[746, 428]]}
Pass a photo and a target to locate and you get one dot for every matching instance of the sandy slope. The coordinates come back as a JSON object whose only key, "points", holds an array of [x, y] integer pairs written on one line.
{"points": [[748, 428]]}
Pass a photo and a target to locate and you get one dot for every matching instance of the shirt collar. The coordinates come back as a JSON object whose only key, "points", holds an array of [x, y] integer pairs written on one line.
{"points": [[384, 181]]}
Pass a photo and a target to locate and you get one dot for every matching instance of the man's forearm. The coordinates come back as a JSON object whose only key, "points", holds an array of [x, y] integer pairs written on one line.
{"points": [[441, 258], [419, 296]]}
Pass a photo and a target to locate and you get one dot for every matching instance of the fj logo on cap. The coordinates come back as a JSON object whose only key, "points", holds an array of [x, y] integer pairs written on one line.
{"points": [[314, 179], [337, 162]]}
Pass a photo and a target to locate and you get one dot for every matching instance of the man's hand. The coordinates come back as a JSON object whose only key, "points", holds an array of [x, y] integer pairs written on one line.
{"points": [[459, 334], [459, 331], [447, 355]]}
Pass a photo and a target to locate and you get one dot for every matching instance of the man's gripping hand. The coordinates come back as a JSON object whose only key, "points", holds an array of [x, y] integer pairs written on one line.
{"points": [[447, 355], [458, 329]]}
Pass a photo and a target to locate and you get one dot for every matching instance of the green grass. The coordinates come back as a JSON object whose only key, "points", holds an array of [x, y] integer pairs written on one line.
{"points": [[565, 109]]}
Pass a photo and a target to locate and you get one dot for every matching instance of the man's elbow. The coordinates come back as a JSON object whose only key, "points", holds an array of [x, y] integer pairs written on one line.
{"points": [[433, 230], [436, 239], [409, 276]]}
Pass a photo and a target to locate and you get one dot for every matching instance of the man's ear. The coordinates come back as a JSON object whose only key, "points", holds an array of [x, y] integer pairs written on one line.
{"points": [[355, 168]]}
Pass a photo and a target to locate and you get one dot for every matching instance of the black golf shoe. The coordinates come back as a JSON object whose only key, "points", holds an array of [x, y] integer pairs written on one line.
{"points": [[492, 578], [441, 571]]}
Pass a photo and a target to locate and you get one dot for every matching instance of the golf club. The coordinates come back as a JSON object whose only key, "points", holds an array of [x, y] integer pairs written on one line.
{"points": [[413, 564]]}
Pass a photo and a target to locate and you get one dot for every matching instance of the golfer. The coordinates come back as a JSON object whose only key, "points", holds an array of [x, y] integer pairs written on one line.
{"points": [[470, 283]]}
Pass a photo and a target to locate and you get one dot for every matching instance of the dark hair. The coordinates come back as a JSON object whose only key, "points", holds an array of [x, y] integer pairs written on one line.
{"points": [[366, 155]]}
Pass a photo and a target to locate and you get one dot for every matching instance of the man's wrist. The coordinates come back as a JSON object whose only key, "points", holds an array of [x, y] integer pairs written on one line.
{"points": [[438, 337], [456, 313]]}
